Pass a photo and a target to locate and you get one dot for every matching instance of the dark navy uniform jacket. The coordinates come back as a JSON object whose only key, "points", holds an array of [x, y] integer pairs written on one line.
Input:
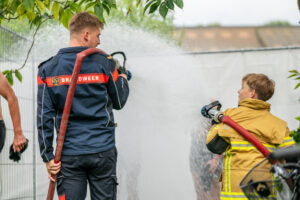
{"points": [[91, 127]]}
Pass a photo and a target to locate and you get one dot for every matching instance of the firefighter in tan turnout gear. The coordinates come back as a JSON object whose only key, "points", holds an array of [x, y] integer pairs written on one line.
{"points": [[252, 113]]}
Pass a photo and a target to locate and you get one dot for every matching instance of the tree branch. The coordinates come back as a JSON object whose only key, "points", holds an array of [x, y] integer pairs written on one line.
{"points": [[4, 10], [33, 39]]}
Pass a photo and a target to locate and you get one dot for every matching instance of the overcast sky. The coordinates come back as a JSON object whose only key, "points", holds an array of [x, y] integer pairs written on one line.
{"points": [[236, 12]]}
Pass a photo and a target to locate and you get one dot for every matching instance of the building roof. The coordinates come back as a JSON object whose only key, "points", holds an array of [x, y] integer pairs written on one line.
{"points": [[227, 38]]}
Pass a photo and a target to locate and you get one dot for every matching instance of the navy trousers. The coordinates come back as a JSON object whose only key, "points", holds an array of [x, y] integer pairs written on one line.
{"points": [[99, 170]]}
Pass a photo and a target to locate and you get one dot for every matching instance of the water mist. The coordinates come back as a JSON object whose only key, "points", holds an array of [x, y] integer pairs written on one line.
{"points": [[154, 128], [160, 134]]}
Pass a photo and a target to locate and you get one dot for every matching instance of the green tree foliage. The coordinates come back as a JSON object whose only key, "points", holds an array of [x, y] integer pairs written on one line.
{"points": [[8, 40], [296, 76], [133, 15], [162, 5], [18, 26], [36, 12]]}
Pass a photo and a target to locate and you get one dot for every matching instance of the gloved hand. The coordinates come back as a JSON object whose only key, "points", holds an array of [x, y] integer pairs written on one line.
{"points": [[16, 156], [123, 70], [129, 75]]}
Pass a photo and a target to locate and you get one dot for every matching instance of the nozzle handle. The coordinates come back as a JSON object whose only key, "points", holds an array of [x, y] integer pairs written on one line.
{"points": [[208, 111], [123, 54]]}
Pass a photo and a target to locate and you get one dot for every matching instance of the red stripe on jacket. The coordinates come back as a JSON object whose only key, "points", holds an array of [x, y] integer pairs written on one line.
{"points": [[82, 79], [62, 197]]}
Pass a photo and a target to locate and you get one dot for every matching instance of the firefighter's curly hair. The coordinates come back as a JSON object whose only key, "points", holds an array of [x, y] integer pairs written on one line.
{"points": [[263, 86], [83, 20]]}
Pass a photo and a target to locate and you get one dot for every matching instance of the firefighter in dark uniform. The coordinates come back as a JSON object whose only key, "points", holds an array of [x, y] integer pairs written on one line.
{"points": [[89, 154]]}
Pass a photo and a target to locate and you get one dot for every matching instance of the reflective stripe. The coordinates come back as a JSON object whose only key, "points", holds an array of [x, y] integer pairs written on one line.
{"points": [[250, 147], [39, 80], [233, 195], [217, 127], [229, 172], [241, 196], [227, 185], [287, 141], [82, 79], [115, 75], [247, 145]]}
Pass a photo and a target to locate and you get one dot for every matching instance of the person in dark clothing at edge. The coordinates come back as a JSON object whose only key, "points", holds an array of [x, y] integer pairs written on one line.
{"points": [[89, 153], [19, 139]]}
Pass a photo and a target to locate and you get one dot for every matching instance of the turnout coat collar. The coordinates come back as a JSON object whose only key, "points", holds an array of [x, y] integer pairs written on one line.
{"points": [[255, 104]]}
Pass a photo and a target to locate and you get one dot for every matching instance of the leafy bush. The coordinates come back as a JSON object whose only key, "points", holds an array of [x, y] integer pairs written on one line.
{"points": [[296, 133]]}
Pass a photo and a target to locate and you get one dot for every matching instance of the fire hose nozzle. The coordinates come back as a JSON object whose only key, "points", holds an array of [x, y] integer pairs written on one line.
{"points": [[212, 111], [217, 115], [121, 68]]}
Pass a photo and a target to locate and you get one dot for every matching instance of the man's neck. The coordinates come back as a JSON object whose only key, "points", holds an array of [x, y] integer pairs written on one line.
{"points": [[75, 43]]}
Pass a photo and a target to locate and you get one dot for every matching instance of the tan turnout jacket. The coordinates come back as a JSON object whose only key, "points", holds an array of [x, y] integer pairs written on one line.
{"points": [[241, 156]]}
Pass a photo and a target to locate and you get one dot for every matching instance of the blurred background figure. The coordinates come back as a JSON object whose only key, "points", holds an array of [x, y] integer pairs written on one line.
{"points": [[205, 166]]}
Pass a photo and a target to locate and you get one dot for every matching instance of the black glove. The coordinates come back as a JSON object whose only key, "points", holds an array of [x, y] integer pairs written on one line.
{"points": [[128, 74], [123, 70], [16, 156]]}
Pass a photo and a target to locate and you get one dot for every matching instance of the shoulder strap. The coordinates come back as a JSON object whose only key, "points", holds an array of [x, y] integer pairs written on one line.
{"points": [[44, 61]]}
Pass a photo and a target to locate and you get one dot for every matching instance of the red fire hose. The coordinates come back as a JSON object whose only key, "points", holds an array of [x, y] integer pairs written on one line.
{"points": [[65, 116], [248, 136]]}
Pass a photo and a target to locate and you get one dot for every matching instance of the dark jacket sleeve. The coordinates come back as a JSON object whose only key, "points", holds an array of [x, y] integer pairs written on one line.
{"points": [[45, 119], [118, 89]]}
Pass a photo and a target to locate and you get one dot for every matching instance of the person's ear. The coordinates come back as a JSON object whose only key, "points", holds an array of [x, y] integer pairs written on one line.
{"points": [[253, 94], [86, 36]]}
